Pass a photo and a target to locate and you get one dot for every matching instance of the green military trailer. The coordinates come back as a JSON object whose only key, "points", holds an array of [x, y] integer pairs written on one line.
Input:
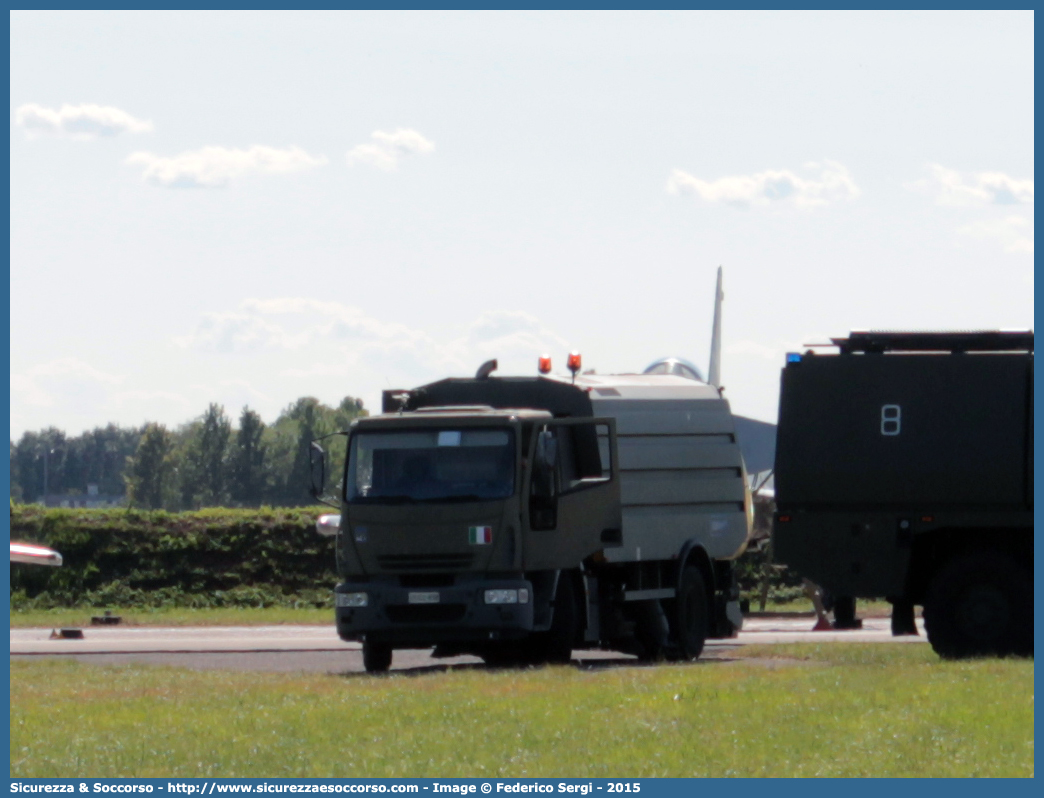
{"points": [[518, 519], [904, 469]]}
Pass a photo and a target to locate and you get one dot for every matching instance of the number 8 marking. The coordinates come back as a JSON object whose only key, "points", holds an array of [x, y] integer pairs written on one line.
{"points": [[891, 419]]}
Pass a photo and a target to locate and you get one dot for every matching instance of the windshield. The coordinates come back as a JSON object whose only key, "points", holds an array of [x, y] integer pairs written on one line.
{"points": [[431, 464]]}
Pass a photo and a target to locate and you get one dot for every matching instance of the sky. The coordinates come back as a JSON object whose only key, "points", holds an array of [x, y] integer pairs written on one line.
{"points": [[246, 208]]}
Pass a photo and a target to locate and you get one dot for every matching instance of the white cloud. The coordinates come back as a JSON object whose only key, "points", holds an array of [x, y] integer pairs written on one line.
{"points": [[237, 393], [289, 323], [29, 392], [492, 325], [310, 320], [151, 405], [85, 396], [294, 323], [63, 385], [213, 167], [39, 385], [1014, 233], [314, 343], [511, 333], [828, 182], [387, 149], [950, 187], [190, 399], [82, 122], [235, 332]]}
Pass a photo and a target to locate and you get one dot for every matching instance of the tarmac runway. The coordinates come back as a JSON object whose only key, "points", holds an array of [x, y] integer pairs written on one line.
{"points": [[318, 649]]}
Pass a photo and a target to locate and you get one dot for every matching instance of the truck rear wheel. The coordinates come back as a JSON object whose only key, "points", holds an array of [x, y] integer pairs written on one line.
{"points": [[691, 613], [980, 605], [377, 657]]}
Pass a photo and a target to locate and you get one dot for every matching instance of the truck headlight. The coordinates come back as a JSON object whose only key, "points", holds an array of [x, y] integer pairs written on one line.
{"points": [[501, 596], [352, 599]]}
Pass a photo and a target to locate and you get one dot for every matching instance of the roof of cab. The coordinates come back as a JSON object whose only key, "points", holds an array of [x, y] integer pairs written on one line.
{"points": [[456, 412]]}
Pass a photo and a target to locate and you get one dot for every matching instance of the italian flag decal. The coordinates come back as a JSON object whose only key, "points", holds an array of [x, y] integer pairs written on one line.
{"points": [[480, 535]]}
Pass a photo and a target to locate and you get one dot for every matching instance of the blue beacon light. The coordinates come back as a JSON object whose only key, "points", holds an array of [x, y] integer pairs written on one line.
{"points": [[793, 357]]}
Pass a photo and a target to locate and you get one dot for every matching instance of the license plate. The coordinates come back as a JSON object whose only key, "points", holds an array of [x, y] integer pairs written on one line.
{"points": [[424, 598]]}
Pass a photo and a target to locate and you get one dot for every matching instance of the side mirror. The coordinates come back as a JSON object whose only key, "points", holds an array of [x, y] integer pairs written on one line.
{"points": [[317, 463], [546, 449]]}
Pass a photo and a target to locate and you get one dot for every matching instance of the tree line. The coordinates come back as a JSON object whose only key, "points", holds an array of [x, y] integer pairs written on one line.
{"points": [[206, 462]]}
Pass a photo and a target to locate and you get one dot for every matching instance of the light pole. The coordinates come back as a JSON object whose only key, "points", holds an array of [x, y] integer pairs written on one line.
{"points": [[45, 454]]}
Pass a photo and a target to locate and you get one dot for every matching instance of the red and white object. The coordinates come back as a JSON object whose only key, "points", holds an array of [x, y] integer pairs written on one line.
{"points": [[34, 555]]}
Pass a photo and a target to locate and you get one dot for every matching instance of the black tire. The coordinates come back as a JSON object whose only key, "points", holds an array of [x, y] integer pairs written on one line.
{"points": [[377, 657], [691, 613], [980, 605], [510, 654]]}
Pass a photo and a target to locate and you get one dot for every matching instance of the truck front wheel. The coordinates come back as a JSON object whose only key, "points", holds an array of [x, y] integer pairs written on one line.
{"points": [[377, 657], [979, 605], [691, 613]]}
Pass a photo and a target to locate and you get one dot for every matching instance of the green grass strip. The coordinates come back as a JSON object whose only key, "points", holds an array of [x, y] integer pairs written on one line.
{"points": [[826, 710]]}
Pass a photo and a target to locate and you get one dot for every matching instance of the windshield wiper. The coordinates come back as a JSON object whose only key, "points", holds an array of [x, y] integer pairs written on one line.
{"points": [[382, 499], [402, 499]]}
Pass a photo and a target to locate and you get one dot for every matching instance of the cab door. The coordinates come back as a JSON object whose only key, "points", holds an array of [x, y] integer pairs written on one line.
{"points": [[571, 492]]}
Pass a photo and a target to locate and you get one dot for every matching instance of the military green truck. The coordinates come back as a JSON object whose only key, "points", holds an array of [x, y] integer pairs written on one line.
{"points": [[904, 470], [518, 519]]}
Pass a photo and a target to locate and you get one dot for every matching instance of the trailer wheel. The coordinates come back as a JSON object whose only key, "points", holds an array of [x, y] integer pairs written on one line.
{"points": [[980, 605], [377, 657], [691, 613]]}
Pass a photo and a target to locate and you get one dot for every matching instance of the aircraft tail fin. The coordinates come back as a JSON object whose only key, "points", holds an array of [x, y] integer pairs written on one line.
{"points": [[714, 370]]}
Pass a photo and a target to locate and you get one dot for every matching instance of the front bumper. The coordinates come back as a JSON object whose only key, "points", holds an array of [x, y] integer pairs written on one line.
{"points": [[424, 616]]}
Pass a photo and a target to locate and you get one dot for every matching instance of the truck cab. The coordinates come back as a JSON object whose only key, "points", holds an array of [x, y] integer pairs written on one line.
{"points": [[454, 521]]}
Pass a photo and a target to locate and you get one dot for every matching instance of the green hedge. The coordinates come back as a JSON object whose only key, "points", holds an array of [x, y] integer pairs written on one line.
{"points": [[216, 557]]}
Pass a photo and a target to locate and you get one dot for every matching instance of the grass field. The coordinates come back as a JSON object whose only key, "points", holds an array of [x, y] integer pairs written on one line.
{"points": [[811, 710]]}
